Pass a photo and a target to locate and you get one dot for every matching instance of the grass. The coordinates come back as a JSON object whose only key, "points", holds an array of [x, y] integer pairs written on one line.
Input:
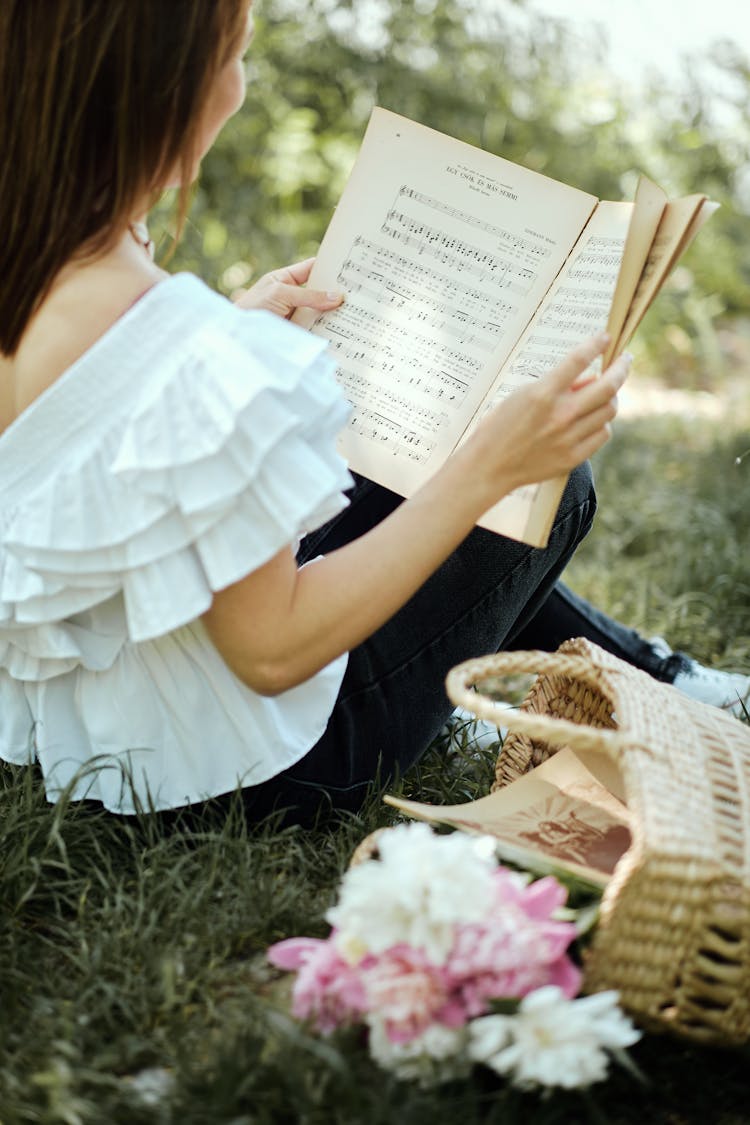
{"points": [[669, 549], [134, 988]]}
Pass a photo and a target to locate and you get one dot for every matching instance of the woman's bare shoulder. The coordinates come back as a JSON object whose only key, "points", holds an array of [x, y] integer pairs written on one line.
{"points": [[7, 394], [81, 308]]}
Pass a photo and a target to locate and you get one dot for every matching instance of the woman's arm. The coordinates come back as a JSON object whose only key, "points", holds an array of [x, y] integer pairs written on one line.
{"points": [[279, 625]]}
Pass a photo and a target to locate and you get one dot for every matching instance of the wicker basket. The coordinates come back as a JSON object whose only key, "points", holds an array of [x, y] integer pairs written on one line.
{"points": [[674, 930]]}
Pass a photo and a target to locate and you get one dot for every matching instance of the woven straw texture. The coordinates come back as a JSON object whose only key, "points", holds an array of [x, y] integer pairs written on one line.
{"points": [[674, 929]]}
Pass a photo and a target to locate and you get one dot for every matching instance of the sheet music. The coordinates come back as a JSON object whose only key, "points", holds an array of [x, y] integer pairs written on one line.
{"points": [[440, 252], [416, 328], [578, 304], [575, 308]]}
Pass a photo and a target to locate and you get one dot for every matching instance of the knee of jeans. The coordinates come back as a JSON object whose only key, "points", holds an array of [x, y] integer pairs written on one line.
{"points": [[579, 492]]}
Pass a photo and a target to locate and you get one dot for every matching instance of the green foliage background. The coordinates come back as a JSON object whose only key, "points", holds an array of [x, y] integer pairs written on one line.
{"points": [[493, 74]]}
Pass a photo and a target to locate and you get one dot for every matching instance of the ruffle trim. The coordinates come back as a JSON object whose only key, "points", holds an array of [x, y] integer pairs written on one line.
{"points": [[188, 494], [165, 726]]}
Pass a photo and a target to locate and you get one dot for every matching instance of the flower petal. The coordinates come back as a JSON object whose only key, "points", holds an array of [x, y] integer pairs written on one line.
{"points": [[293, 953]]}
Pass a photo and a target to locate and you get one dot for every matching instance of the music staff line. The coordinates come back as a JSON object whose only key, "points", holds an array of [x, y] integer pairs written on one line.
{"points": [[401, 333], [581, 314], [410, 371], [399, 439], [462, 255], [450, 288], [604, 242], [385, 286], [598, 276], [432, 383], [414, 304], [513, 241], [378, 398], [603, 296], [587, 257], [401, 321]]}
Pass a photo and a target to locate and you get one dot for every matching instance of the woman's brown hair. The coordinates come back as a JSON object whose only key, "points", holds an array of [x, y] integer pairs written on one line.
{"points": [[100, 102]]}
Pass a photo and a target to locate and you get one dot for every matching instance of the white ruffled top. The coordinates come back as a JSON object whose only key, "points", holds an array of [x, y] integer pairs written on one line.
{"points": [[182, 451]]}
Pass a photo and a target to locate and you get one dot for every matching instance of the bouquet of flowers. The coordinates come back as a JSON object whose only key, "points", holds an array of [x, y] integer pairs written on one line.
{"points": [[450, 959]]}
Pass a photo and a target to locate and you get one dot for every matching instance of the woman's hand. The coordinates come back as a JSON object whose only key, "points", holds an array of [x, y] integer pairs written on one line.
{"points": [[282, 292], [545, 430]]}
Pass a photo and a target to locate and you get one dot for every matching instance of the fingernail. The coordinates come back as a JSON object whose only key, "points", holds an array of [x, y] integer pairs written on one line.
{"points": [[604, 338], [334, 295]]}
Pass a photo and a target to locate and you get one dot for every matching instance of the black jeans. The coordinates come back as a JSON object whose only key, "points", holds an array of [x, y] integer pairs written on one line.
{"points": [[392, 701], [565, 614]]}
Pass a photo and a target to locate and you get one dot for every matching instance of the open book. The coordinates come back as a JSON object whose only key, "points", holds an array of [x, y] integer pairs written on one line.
{"points": [[568, 814], [466, 276]]}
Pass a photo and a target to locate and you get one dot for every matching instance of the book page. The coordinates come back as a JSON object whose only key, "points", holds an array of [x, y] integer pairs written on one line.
{"points": [[681, 221], [615, 272], [648, 210], [444, 252], [575, 308], [560, 815]]}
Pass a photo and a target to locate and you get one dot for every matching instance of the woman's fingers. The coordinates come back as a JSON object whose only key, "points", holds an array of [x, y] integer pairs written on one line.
{"points": [[554, 424], [588, 446], [573, 374], [279, 295], [572, 415], [592, 425], [600, 392], [296, 297], [593, 422], [296, 274], [286, 287], [573, 366]]}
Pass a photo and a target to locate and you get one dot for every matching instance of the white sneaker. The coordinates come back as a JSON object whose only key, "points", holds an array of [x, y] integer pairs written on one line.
{"points": [[729, 691], [480, 734]]}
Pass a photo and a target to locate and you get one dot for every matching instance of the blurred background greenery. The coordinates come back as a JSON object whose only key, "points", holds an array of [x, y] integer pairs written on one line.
{"points": [[499, 74]]}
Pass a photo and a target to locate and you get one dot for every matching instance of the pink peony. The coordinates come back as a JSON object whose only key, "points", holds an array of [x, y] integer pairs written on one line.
{"points": [[517, 949], [327, 989], [538, 900], [405, 991]]}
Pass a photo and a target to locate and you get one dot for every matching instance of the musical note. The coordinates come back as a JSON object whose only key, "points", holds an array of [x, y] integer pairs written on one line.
{"points": [[384, 429], [510, 242], [398, 276], [460, 255]]}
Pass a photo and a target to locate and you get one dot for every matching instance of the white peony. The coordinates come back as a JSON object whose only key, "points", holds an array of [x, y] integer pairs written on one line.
{"points": [[417, 892], [552, 1041], [437, 1055]]}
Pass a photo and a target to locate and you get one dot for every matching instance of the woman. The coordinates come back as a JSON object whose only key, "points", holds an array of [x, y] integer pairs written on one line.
{"points": [[162, 638]]}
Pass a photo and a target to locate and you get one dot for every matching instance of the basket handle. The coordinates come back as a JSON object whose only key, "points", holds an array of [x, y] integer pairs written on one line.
{"points": [[560, 732]]}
